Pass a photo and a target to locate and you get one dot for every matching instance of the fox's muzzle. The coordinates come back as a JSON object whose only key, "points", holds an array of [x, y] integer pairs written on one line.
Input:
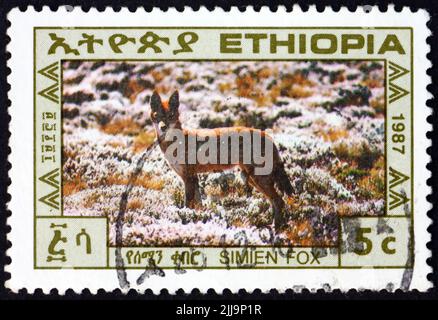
{"points": [[162, 125]]}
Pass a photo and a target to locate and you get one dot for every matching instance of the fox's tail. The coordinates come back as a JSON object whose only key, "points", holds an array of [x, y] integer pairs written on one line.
{"points": [[282, 180]]}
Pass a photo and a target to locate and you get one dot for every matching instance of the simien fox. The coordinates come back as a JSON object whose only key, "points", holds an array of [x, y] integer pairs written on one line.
{"points": [[165, 117]]}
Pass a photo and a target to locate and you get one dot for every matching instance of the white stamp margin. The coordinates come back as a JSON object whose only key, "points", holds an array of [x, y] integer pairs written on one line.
{"points": [[21, 143]]}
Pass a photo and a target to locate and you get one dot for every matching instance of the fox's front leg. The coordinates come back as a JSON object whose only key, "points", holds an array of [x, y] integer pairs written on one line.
{"points": [[192, 195]]}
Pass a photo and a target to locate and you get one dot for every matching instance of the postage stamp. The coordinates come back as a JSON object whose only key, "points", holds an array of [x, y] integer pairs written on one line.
{"points": [[239, 150]]}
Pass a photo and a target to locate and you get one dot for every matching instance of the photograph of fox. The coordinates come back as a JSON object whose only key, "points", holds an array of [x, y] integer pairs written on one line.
{"points": [[165, 117], [322, 122]]}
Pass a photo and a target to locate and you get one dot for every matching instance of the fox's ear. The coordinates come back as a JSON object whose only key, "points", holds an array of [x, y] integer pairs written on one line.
{"points": [[174, 103], [156, 104]]}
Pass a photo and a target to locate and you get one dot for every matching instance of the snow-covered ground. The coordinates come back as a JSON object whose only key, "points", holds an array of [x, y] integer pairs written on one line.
{"points": [[327, 118]]}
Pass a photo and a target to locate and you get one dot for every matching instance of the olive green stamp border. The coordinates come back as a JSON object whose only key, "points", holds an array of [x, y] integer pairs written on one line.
{"points": [[339, 242]]}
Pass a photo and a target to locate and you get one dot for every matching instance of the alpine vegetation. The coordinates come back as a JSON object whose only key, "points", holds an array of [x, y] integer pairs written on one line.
{"points": [[325, 120]]}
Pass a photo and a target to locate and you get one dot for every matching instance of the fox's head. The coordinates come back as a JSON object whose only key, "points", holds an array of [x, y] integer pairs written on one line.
{"points": [[165, 114]]}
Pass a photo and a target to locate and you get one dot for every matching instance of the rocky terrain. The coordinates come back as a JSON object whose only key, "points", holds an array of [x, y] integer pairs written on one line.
{"points": [[327, 118]]}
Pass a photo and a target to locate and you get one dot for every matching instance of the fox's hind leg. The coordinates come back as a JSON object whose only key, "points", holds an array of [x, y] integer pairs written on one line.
{"points": [[192, 195], [247, 185], [267, 188], [265, 184]]}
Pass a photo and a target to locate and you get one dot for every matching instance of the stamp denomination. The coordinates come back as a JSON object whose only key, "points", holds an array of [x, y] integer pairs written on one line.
{"points": [[239, 150]]}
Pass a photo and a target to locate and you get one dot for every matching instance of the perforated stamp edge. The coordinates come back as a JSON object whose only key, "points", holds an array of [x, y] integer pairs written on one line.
{"points": [[22, 273]]}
